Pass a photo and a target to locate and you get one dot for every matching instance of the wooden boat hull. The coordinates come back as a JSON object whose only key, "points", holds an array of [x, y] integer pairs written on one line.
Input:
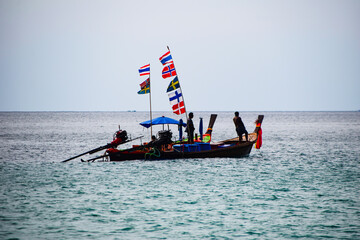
{"points": [[223, 151]]}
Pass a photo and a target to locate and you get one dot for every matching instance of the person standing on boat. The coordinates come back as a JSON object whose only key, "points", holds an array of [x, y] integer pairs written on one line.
{"points": [[240, 127], [190, 128]]}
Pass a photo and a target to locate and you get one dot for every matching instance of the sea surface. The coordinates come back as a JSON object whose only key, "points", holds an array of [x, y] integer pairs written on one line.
{"points": [[304, 183]]}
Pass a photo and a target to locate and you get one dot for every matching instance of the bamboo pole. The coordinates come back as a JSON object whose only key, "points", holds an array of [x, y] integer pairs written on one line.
{"points": [[151, 132]]}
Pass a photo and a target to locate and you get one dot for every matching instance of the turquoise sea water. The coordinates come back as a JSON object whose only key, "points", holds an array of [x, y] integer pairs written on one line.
{"points": [[303, 183]]}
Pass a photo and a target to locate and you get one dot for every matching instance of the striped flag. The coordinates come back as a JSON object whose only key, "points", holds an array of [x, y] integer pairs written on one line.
{"points": [[144, 70], [166, 58]]}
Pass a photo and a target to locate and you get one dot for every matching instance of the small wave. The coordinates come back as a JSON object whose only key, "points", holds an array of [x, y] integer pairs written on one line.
{"points": [[126, 229]]}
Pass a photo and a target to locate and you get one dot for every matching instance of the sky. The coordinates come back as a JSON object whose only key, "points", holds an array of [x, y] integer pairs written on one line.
{"points": [[230, 55]]}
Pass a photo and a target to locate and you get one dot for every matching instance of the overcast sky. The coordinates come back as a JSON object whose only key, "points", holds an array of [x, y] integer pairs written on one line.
{"points": [[229, 55]]}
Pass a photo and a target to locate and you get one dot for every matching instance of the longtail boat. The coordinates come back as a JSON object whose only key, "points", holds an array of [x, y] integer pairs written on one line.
{"points": [[166, 149]]}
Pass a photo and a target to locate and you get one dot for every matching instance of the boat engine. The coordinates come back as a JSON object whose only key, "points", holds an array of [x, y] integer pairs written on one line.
{"points": [[121, 134], [164, 138]]}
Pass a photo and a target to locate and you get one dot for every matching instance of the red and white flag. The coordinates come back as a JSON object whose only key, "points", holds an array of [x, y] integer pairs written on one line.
{"points": [[145, 83], [169, 71], [179, 108]]}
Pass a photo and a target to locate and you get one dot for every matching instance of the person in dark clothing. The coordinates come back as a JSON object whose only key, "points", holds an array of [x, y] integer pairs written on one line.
{"points": [[190, 128], [240, 127]]}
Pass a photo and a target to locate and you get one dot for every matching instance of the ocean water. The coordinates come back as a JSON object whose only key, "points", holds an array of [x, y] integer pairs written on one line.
{"points": [[303, 183]]}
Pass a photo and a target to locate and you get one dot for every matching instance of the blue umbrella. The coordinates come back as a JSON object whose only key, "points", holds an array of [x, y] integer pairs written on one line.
{"points": [[161, 120]]}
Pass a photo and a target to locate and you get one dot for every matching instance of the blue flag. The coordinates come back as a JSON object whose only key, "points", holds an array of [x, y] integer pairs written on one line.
{"points": [[174, 84], [144, 90]]}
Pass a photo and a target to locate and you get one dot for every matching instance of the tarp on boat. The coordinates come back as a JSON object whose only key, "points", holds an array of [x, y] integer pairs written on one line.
{"points": [[161, 120]]}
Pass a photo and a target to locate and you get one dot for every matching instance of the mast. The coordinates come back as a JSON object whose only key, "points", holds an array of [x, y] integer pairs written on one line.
{"points": [[151, 132], [146, 87], [180, 86]]}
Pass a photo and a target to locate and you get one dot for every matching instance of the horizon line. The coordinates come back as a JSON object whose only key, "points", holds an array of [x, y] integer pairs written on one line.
{"points": [[132, 111]]}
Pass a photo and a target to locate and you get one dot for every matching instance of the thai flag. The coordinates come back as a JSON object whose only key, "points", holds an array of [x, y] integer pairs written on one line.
{"points": [[169, 71], [166, 58], [144, 70]]}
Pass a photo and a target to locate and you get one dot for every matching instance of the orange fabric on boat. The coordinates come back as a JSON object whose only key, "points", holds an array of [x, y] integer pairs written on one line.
{"points": [[112, 150], [259, 139]]}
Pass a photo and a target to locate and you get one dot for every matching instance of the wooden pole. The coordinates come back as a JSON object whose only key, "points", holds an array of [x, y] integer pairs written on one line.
{"points": [[151, 132]]}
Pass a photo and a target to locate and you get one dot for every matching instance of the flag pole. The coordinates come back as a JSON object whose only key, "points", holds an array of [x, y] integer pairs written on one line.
{"points": [[151, 132], [179, 86]]}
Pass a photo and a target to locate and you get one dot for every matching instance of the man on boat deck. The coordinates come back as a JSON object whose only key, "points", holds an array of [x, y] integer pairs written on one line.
{"points": [[240, 127], [190, 128]]}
